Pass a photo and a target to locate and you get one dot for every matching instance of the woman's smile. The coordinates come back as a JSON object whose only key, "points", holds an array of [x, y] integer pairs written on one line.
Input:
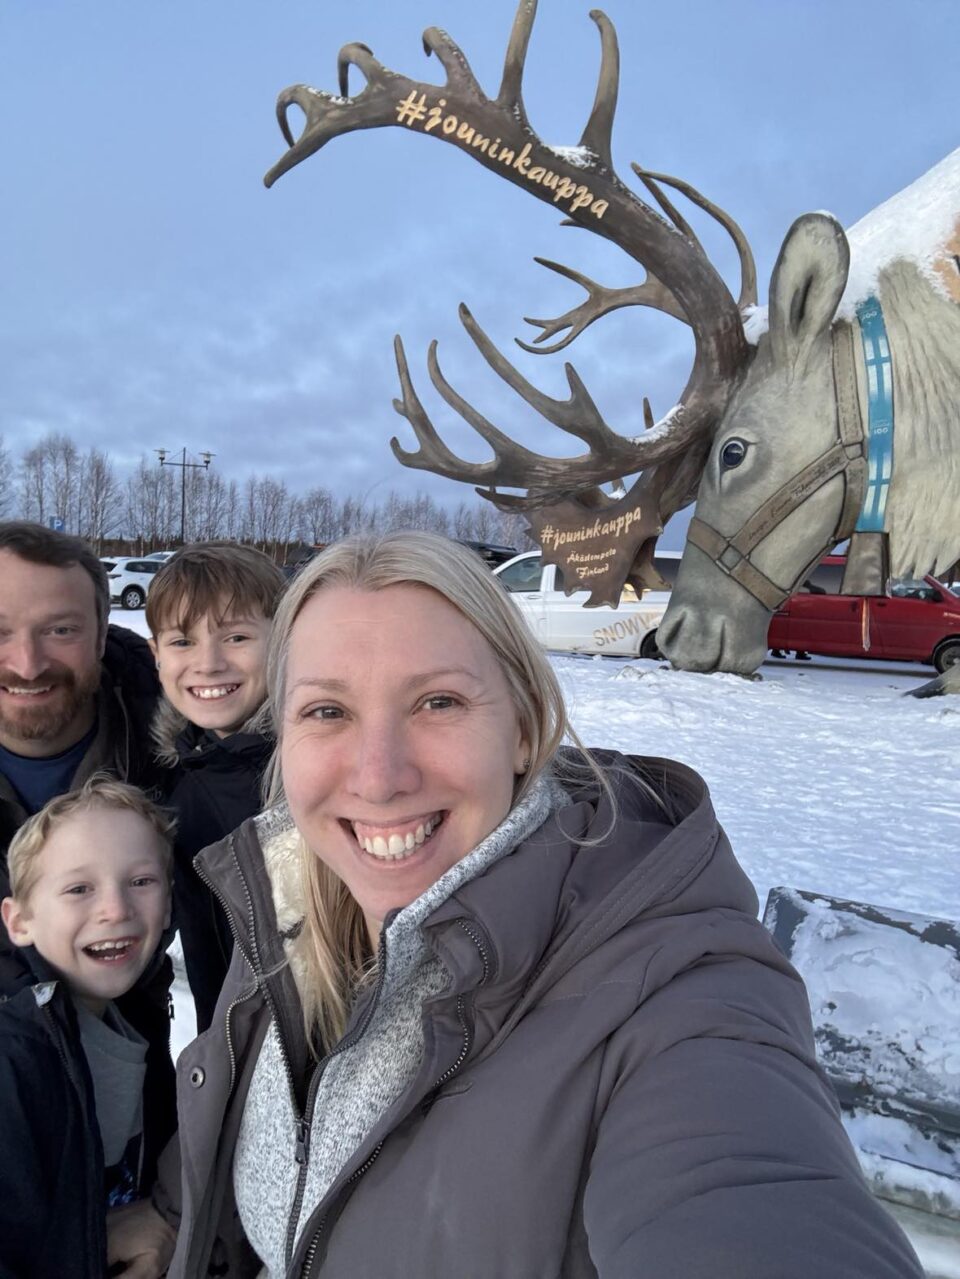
{"points": [[396, 841]]}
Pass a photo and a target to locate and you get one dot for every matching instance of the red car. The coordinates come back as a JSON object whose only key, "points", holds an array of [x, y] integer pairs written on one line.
{"points": [[916, 621]]}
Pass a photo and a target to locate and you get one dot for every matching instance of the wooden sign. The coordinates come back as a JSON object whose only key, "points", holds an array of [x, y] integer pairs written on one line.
{"points": [[597, 549]]}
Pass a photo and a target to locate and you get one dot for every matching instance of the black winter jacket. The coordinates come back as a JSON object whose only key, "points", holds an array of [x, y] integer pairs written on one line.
{"points": [[125, 707], [52, 1214], [213, 786]]}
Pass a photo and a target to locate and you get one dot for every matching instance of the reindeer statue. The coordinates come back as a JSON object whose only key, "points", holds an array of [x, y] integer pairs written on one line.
{"points": [[845, 426], [785, 442]]}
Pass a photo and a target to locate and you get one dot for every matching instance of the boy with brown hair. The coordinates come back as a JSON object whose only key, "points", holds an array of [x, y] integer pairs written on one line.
{"points": [[209, 612], [89, 909]]}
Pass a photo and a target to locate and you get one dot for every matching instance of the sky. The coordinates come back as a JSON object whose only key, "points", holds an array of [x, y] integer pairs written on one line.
{"points": [[155, 294]]}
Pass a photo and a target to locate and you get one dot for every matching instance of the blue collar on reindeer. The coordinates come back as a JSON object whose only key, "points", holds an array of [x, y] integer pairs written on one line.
{"points": [[879, 423]]}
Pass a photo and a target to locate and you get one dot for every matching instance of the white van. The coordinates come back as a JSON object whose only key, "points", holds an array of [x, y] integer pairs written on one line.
{"points": [[563, 623]]}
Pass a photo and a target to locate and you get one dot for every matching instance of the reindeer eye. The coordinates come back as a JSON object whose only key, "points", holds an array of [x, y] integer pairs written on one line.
{"points": [[732, 454]]}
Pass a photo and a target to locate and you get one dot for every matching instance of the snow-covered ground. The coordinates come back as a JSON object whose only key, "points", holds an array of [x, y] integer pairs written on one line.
{"points": [[825, 776]]}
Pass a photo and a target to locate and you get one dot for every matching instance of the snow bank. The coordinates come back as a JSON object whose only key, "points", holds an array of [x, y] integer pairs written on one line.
{"points": [[885, 1000]]}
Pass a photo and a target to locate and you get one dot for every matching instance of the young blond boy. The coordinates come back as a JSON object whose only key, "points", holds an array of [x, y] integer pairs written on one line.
{"points": [[88, 910], [209, 612]]}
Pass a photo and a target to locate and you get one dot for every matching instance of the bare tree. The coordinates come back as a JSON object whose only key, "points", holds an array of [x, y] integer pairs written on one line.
{"points": [[486, 525], [354, 516], [150, 504], [252, 516], [62, 461], [34, 484], [167, 526], [100, 506], [269, 513], [276, 512], [6, 479], [55, 478], [476, 522], [480, 522], [137, 503], [513, 530], [396, 512], [462, 522], [212, 508], [205, 499], [52, 482], [232, 525], [295, 519], [317, 516], [419, 511]]}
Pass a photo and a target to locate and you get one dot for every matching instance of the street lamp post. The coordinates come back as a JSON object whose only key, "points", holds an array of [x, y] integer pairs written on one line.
{"points": [[184, 465]]}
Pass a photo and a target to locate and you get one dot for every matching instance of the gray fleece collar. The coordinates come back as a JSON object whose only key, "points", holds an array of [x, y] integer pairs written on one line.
{"points": [[544, 796]]}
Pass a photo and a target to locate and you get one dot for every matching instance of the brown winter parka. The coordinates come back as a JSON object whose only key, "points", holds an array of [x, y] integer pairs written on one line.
{"points": [[619, 1080]]}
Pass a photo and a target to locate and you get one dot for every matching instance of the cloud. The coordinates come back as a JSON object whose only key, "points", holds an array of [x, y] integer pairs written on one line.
{"points": [[156, 295]]}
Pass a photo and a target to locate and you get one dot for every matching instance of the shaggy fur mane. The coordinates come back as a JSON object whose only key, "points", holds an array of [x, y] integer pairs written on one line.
{"points": [[923, 517]]}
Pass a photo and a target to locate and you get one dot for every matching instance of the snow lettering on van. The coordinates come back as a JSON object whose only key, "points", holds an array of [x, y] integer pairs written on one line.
{"points": [[616, 631]]}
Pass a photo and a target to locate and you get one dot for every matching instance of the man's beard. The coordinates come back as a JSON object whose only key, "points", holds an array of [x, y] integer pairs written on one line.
{"points": [[47, 721]]}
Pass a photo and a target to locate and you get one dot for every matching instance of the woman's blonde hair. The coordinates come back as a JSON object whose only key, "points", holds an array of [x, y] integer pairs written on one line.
{"points": [[333, 947]]}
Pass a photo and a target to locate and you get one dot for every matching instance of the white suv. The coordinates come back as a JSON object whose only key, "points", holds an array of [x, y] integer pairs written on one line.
{"points": [[130, 579]]}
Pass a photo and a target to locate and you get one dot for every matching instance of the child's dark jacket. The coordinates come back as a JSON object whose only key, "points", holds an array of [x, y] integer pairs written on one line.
{"points": [[213, 787], [125, 706], [52, 1206]]}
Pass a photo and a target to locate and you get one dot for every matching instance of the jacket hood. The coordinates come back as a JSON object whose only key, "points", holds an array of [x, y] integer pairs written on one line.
{"points": [[173, 736], [595, 866]]}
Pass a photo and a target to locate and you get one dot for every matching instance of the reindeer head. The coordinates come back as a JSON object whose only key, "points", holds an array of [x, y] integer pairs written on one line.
{"points": [[775, 493], [582, 184]]}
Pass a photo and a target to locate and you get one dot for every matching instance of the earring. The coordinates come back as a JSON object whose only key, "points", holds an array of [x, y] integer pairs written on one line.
{"points": [[526, 765]]}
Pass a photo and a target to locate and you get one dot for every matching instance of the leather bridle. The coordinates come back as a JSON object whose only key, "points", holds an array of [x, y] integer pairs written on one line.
{"points": [[846, 457]]}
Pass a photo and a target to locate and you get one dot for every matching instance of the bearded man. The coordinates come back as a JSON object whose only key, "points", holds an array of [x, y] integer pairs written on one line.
{"points": [[76, 697]]}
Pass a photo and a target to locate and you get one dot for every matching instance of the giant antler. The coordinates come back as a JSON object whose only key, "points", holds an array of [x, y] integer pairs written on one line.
{"points": [[581, 182], [653, 293], [513, 466]]}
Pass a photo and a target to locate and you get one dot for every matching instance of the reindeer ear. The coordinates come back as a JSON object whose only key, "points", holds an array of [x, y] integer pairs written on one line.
{"points": [[806, 286]]}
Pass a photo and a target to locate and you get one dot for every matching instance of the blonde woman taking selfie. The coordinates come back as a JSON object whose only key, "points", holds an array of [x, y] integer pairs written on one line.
{"points": [[495, 1008]]}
